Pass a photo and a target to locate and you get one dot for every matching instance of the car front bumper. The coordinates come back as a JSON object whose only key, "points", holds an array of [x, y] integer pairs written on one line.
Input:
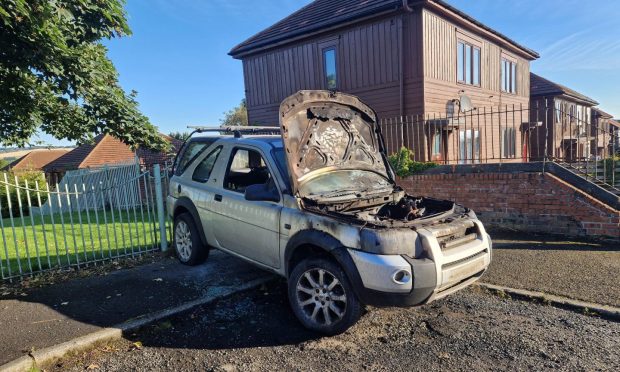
{"points": [[441, 272]]}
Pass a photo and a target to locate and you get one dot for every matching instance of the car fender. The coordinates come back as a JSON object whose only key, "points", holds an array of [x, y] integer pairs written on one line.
{"points": [[330, 245]]}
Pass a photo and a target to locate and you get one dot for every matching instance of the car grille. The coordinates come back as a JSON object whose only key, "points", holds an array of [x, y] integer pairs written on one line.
{"points": [[456, 234]]}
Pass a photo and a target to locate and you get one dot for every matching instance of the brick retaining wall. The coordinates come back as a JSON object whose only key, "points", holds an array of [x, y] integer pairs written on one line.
{"points": [[529, 201]]}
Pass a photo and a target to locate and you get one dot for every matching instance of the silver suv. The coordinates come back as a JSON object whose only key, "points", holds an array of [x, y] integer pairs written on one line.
{"points": [[317, 203]]}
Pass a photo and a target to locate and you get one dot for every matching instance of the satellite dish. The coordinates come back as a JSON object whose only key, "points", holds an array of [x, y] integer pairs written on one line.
{"points": [[465, 104]]}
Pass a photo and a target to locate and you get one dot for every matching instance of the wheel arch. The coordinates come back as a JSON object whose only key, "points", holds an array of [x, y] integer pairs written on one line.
{"points": [[314, 243], [185, 205]]}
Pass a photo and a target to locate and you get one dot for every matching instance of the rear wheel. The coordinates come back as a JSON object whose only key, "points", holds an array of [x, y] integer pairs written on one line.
{"points": [[187, 244], [322, 297]]}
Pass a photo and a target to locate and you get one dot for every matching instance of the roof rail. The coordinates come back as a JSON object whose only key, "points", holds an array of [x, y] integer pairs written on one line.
{"points": [[237, 130]]}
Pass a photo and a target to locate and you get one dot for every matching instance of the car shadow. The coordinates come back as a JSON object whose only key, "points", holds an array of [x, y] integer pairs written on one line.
{"points": [[251, 319], [37, 315]]}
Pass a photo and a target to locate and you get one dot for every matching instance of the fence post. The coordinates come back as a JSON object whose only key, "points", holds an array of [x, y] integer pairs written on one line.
{"points": [[160, 208]]}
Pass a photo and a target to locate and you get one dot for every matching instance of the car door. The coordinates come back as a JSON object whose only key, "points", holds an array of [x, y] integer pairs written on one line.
{"points": [[250, 229]]}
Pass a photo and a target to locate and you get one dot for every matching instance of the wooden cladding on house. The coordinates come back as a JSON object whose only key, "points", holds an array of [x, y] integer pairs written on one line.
{"points": [[441, 37], [404, 63], [439, 48], [367, 56]]}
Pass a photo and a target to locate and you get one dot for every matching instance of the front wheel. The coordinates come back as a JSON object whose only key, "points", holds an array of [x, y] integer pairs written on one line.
{"points": [[187, 244], [322, 297]]}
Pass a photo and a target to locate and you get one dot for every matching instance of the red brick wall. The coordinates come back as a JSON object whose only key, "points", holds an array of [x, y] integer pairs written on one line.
{"points": [[525, 201]]}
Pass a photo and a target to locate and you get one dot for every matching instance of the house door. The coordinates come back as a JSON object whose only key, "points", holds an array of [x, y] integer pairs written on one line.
{"points": [[438, 148], [570, 151], [525, 155]]}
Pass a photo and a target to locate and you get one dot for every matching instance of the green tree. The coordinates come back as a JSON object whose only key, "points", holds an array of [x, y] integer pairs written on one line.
{"points": [[236, 116], [181, 136], [55, 76]]}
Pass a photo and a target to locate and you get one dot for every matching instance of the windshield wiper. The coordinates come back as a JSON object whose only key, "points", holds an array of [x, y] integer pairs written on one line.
{"points": [[358, 193]]}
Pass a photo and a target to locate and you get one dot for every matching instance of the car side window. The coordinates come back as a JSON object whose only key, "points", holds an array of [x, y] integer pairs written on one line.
{"points": [[246, 168], [204, 169], [189, 154]]}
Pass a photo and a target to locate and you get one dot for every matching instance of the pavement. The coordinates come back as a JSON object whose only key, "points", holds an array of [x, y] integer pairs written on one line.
{"points": [[584, 270], [44, 317]]}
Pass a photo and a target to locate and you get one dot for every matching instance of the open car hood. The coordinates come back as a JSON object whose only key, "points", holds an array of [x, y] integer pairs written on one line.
{"points": [[325, 132]]}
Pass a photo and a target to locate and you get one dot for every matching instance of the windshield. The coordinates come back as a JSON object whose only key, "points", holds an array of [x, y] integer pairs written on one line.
{"points": [[280, 156], [342, 182]]}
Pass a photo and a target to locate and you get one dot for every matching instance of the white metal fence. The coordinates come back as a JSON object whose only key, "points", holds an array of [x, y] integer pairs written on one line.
{"points": [[89, 218]]}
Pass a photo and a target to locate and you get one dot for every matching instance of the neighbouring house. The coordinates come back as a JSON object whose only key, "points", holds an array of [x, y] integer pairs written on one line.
{"points": [[563, 117], [403, 58], [603, 132], [615, 130], [106, 150], [35, 160]]}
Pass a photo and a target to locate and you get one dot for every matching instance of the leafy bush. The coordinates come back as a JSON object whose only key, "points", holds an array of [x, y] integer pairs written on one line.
{"points": [[32, 177], [404, 164]]}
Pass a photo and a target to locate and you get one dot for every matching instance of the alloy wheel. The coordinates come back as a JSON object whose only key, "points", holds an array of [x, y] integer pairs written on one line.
{"points": [[321, 297], [183, 241]]}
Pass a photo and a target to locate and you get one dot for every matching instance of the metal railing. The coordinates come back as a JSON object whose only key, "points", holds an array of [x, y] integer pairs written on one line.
{"points": [[112, 213], [587, 145]]}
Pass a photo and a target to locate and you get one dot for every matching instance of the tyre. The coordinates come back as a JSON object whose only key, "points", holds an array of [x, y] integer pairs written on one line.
{"points": [[187, 244], [322, 297]]}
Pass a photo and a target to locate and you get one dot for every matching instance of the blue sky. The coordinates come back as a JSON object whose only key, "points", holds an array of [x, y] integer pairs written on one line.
{"points": [[177, 56]]}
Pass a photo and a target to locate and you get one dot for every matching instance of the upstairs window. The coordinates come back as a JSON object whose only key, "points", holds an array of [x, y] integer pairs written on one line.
{"points": [[509, 76], [330, 70], [468, 63]]}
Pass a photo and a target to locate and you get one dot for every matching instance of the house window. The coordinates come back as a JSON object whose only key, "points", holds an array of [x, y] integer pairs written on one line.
{"points": [[509, 76], [509, 141], [469, 146], [329, 64], [468, 63]]}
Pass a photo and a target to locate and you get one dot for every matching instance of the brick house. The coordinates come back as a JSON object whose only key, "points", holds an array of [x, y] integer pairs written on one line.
{"points": [[403, 58], [106, 150], [35, 160], [604, 132]]}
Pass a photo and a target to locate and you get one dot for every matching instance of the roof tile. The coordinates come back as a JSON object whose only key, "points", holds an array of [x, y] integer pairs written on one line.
{"points": [[541, 87], [36, 159]]}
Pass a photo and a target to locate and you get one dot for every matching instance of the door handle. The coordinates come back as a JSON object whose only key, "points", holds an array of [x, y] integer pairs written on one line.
{"points": [[218, 197]]}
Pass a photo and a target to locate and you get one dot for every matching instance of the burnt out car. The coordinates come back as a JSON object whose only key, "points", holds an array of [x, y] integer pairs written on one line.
{"points": [[318, 204]]}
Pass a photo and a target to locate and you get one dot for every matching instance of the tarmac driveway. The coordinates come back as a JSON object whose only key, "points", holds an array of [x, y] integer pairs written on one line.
{"points": [[583, 270]]}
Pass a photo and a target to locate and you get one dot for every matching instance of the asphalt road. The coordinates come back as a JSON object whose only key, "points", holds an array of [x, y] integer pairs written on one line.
{"points": [[469, 330]]}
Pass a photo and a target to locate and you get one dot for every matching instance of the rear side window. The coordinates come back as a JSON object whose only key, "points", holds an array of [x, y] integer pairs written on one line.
{"points": [[191, 151], [204, 169]]}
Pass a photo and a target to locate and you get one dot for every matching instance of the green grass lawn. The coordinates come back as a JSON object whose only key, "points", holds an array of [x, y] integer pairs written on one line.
{"points": [[39, 243]]}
